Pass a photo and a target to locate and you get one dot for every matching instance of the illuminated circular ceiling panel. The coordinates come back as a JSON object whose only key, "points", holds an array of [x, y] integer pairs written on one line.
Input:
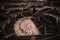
{"points": [[25, 27]]}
